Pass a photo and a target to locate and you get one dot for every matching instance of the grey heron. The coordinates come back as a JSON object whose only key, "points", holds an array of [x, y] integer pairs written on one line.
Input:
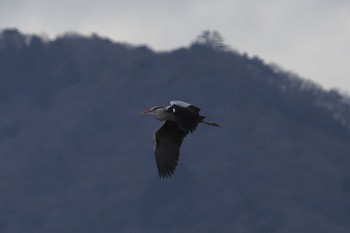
{"points": [[180, 118]]}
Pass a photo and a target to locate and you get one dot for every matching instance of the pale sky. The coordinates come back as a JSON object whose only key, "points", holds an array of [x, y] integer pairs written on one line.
{"points": [[308, 37]]}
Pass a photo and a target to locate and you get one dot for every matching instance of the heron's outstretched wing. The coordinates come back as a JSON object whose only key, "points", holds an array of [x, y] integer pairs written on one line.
{"points": [[187, 118], [167, 143]]}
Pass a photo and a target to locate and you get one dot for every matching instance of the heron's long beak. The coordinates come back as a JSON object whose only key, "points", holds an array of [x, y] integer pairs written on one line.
{"points": [[146, 111]]}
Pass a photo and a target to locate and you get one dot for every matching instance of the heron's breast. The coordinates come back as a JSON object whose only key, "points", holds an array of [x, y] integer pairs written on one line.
{"points": [[165, 116]]}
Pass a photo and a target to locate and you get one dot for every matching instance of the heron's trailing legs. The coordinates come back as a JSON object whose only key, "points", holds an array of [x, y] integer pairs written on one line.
{"points": [[210, 123]]}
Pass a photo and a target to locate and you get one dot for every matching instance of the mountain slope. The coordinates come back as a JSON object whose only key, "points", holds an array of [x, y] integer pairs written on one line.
{"points": [[77, 157]]}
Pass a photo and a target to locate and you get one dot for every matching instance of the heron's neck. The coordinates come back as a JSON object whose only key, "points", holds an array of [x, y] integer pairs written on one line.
{"points": [[162, 115]]}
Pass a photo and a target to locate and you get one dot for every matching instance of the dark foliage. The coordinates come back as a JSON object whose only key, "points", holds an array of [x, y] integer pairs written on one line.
{"points": [[77, 157]]}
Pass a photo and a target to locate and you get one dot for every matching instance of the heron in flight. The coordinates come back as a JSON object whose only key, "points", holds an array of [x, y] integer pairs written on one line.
{"points": [[180, 119]]}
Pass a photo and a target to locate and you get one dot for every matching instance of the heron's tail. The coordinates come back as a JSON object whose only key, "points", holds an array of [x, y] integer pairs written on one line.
{"points": [[209, 122]]}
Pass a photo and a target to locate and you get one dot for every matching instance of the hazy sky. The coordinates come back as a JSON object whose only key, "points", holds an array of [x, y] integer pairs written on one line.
{"points": [[308, 37]]}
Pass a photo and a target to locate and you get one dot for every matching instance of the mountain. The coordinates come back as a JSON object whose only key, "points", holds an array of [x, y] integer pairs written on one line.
{"points": [[76, 155]]}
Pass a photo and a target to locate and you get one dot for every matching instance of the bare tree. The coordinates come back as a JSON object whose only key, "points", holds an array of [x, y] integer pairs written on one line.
{"points": [[212, 39]]}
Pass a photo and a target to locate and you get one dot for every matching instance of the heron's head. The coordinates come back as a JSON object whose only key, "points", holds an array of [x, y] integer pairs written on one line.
{"points": [[152, 111]]}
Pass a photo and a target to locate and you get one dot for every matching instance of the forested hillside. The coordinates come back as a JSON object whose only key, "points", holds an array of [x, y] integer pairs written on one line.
{"points": [[76, 155]]}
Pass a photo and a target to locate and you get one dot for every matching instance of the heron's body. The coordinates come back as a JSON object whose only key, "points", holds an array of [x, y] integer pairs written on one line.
{"points": [[180, 119]]}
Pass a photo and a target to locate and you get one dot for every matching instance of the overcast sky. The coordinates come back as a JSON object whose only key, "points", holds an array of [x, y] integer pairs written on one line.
{"points": [[308, 37]]}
